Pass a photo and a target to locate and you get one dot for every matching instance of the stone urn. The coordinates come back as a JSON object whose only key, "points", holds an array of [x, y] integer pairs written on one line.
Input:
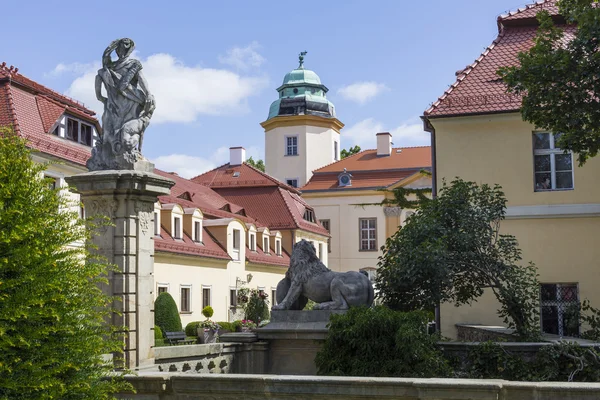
{"points": [[206, 336]]}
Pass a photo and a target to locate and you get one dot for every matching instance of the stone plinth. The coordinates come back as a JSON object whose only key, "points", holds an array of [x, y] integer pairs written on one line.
{"points": [[127, 198], [294, 339]]}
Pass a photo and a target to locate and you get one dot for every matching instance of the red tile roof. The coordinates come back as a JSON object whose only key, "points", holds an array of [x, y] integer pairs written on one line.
{"points": [[209, 248], [33, 109], [478, 88], [259, 257], [370, 171], [244, 175]]}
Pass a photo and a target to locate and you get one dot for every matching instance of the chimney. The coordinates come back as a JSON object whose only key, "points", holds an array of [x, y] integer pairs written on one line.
{"points": [[237, 155], [384, 144]]}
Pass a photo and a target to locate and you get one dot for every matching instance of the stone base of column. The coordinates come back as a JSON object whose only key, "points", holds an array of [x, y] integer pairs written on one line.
{"points": [[127, 198]]}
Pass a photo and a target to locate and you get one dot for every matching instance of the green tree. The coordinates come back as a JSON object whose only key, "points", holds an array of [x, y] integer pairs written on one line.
{"points": [[451, 250], [166, 314], [52, 311], [259, 164], [559, 78], [380, 342], [347, 153]]}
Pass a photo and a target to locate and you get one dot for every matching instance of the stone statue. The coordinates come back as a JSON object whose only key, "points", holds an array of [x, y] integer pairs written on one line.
{"points": [[128, 107], [308, 278], [301, 59]]}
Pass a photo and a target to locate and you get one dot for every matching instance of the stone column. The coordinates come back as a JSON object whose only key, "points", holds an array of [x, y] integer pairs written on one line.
{"points": [[127, 198]]}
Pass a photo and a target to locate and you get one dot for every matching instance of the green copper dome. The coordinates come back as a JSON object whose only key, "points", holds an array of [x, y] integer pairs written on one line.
{"points": [[302, 93]]}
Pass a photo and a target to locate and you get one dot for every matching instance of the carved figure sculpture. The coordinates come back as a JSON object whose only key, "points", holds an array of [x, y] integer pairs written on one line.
{"points": [[128, 107], [308, 278]]}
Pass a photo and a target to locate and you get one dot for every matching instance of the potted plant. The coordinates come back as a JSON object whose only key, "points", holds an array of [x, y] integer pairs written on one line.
{"points": [[248, 325], [207, 329]]}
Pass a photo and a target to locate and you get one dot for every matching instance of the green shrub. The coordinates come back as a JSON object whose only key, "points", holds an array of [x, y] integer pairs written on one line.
{"points": [[165, 313], [157, 333], [227, 326], [191, 329], [381, 342], [208, 312], [257, 306], [489, 360]]}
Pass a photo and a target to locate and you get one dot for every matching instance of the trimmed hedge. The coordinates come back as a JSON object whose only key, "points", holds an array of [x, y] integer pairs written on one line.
{"points": [[165, 313], [191, 329], [235, 326], [157, 332], [208, 312]]}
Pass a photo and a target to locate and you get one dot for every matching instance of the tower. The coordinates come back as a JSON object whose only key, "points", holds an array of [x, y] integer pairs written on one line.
{"points": [[302, 132]]}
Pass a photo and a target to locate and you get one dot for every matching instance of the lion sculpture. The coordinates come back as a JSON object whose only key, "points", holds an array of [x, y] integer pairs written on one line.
{"points": [[308, 278]]}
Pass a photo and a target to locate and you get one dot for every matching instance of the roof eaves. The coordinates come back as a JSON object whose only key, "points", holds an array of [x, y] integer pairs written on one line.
{"points": [[11, 108]]}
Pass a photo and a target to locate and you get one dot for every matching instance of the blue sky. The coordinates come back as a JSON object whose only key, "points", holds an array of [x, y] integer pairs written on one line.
{"points": [[214, 66]]}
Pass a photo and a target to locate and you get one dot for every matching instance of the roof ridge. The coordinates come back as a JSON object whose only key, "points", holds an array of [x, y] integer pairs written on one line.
{"points": [[340, 160], [273, 179], [464, 73], [524, 8], [289, 207], [204, 173], [11, 108]]}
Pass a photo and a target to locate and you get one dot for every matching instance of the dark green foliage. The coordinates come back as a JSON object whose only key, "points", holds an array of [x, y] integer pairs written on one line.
{"points": [[165, 313], [158, 333], [208, 312], [257, 307], [191, 329], [559, 79], [235, 326], [259, 165], [401, 197], [562, 362], [351, 151], [380, 342], [451, 250], [52, 311]]}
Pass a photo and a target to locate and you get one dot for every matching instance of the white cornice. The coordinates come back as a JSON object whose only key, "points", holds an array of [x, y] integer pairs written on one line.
{"points": [[553, 211]]}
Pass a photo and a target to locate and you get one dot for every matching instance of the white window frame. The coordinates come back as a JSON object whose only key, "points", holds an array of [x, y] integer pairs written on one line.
{"points": [[233, 303], [335, 151], [278, 247], [252, 241], [162, 285], [197, 227], [273, 296], [552, 152], [328, 227], [559, 304], [292, 179], [360, 230], [289, 148], [79, 123], [267, 248], [189, 311], [209, 288], [320, 247], [236, 246], [177, 230]]}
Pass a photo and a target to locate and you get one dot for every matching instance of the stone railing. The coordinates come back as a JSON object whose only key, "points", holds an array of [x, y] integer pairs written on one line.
{"points": [[162, 386]]}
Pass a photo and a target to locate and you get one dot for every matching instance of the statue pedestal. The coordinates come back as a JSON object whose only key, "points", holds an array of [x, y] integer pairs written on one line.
{"points": [[294, 339], [127, 198]]}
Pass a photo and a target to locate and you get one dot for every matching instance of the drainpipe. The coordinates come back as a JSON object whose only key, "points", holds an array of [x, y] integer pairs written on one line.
{"points": [[428, 127]]}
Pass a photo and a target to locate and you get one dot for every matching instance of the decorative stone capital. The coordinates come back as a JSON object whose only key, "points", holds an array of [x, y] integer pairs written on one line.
{"points": [[392, 211]]}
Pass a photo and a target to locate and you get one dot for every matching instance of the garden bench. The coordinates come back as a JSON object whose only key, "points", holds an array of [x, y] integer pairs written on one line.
{"points": [[177, 338]]}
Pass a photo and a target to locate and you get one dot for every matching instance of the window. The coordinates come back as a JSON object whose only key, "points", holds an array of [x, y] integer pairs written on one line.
{"points": [[253, 242], [232, 298], [552, 166], [274, 297], [51, 182], [185, 299], [197, 231], [236, 239], [309, 215], [370, 272], [368, 234], [335, 151], [560, 309], [291, 145], [56, 131], [177, 228], [321, 251], [278, 247], [292, 182], [162, 288], [72, 130], [156, 224], [327, 225], [266, 245], [85, 136], [205, 297]]}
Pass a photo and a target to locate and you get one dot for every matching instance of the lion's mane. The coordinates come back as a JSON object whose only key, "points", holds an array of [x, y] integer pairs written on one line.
{"points": [[304, 263]]}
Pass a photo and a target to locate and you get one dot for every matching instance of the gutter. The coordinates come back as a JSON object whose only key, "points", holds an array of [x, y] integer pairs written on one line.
{"points": [[427, 127]]}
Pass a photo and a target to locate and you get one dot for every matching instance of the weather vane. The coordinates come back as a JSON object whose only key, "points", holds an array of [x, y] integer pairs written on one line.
{"points": [[301, 58]]}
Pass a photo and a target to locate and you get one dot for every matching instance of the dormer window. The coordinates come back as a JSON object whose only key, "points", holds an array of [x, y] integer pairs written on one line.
{"points": [[177, 228], [79, 132], [197, 231], [278, 247], [344, 179], [252, 242], [309, 215], [266, 245]]}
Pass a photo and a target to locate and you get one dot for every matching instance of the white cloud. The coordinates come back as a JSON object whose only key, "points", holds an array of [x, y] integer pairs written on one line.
{"points": [[182, 92], [362, 92], [408, 133], [243, 57], [72, 68], [191, 166]]}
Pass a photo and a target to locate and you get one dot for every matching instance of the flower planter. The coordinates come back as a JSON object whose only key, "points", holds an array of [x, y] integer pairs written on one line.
{"points": [[206, 336]]}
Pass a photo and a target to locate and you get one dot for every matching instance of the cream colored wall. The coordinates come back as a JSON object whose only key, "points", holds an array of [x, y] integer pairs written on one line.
{"points": [[315, 149], [344, 213], [499, 149]]}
